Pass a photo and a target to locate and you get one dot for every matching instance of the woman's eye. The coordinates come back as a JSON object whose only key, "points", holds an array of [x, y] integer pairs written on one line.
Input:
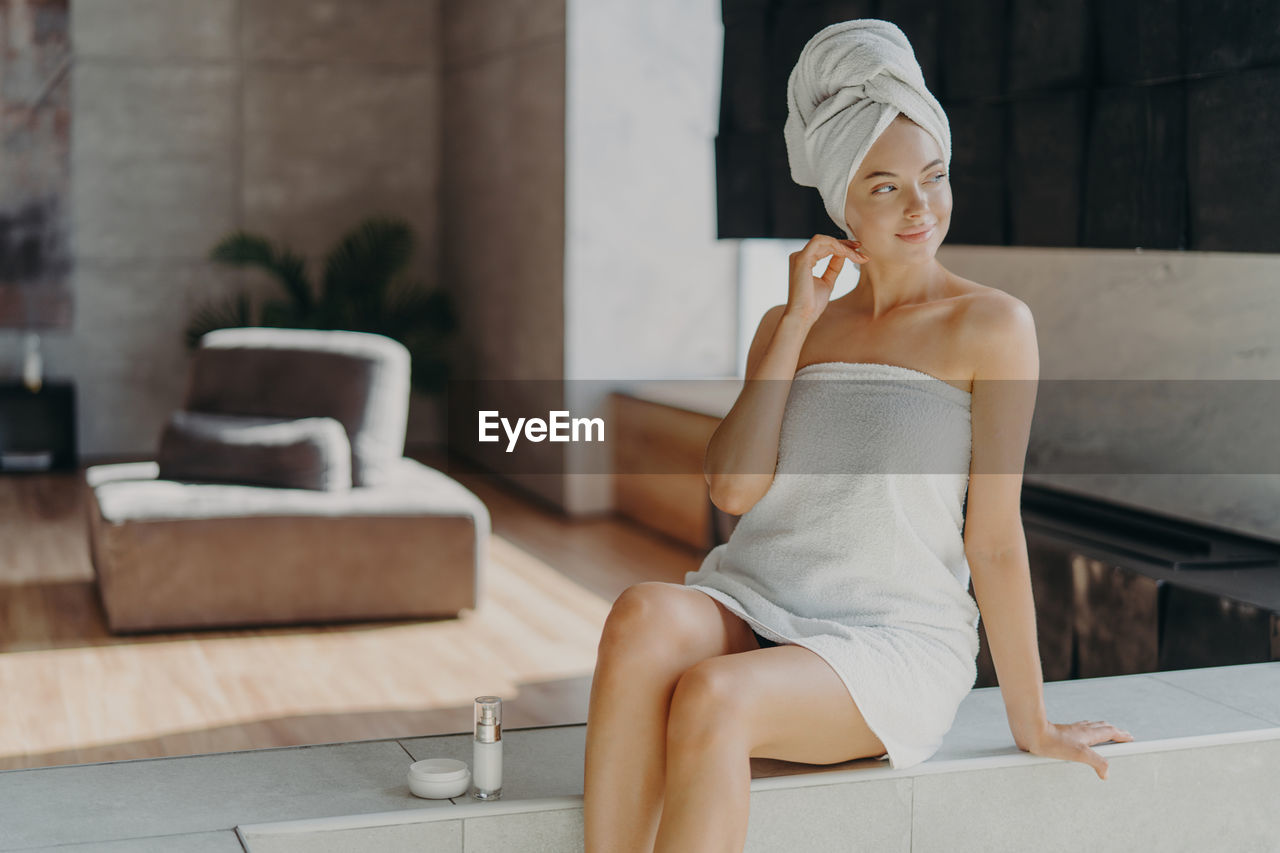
{"points": [[937, 180]]}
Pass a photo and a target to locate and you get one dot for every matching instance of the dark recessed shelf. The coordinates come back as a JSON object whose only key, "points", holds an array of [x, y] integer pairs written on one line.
{"points": [[37, 429], [1171, 543]]}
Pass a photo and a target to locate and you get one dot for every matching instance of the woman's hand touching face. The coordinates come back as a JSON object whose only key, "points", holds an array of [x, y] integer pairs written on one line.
{"points": [[809, 295]]}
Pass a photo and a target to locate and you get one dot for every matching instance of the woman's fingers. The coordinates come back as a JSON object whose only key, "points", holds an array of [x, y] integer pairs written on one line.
{"points": [[1110, 732], [851, 249], [822, 245], [1104, 731], [833, 269], [1085, 755], [1074, 742]]}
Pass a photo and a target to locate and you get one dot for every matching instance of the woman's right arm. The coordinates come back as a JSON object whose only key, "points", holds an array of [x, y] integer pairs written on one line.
{"points": [[742, 454]]}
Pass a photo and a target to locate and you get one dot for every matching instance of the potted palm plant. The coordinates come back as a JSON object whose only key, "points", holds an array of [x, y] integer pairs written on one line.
{"points": [[363, 288]]}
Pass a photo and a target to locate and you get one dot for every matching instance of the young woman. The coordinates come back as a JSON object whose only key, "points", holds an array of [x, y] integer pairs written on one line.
{"points": [[857, 581]]}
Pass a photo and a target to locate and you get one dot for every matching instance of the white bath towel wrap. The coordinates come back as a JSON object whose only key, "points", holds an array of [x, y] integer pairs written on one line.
{"points": [[852, 79], [856, 552]]}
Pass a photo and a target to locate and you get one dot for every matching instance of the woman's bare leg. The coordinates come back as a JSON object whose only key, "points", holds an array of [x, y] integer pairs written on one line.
{"points": [[709, 780], [654, 633], [784, 702]]}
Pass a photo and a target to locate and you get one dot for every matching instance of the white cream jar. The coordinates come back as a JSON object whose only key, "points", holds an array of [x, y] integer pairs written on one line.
{"points": [[439, 778]]}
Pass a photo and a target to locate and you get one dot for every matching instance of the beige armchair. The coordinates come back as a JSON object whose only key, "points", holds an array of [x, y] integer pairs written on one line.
{"points": [[281, 495]]}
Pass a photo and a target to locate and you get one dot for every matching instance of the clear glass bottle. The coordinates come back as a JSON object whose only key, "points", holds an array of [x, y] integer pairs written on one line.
{"points": [[487, 758], [32, 364]]}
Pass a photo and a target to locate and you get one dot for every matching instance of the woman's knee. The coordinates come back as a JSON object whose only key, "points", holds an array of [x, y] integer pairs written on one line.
{"points": [[709, 701], [642, 615], [666, 623]]}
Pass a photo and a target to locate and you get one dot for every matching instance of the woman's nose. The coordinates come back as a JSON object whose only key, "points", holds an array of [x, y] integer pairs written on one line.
{"points": [[917, 201]]}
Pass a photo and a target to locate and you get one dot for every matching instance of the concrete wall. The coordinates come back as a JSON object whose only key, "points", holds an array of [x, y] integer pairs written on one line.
{"points": [[502, 213], [191, 118], [579, 211], [1152, 315], [557, 161], [650, 293]]}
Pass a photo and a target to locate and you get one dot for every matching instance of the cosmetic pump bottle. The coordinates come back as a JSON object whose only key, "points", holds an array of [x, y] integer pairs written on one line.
{"points": [[487, 758]]}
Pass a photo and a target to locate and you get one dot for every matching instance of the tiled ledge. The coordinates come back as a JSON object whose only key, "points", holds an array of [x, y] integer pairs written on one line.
{"points": [[1212, 792], [1202, 774]]}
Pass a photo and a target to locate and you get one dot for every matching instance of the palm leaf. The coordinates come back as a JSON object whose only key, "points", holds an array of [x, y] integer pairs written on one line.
{"points": [[292, 272], [364, 290], [230, 313], [242, 249], [416, 309], [429, 374], [359, 271], [284, 314]]}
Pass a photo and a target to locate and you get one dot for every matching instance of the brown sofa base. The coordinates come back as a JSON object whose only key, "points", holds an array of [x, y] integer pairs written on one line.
{"points": [[221, 572]]}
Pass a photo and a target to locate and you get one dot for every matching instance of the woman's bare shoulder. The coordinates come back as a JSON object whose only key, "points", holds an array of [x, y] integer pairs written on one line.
{"points": [[982, 304], [985, 315], [975, 290]]}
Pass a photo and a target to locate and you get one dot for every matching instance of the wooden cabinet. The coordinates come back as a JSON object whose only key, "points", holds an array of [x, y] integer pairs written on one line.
{"points": [[658, 456]]}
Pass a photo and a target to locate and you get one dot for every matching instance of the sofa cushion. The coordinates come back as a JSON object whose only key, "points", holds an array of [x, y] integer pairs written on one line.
{"points": [[286, 453], [127, 492], [357, 378]]}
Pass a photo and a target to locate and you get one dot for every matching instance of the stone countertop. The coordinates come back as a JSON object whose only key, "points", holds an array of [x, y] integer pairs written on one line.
{"points": [[196, 802]]}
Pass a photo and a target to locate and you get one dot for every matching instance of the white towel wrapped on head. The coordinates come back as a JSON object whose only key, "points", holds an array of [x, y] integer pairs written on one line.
{"points": [[852, 79]]}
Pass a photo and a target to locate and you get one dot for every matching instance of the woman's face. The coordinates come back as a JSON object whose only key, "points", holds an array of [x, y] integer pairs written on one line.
{"points": [[879, 208]]}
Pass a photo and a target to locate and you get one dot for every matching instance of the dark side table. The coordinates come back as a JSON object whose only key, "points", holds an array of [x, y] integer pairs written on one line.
{"points": [[37, 430]]}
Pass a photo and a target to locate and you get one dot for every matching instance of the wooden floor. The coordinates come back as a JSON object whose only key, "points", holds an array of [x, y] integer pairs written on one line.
{"points": [[71, 692]]}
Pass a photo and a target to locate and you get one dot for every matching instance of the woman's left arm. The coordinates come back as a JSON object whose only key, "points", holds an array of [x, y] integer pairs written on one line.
{"points": [[1002, 403], [1003, 589]]}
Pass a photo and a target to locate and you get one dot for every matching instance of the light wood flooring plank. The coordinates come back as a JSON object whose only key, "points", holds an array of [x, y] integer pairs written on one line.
{"points": [[72, 692]]}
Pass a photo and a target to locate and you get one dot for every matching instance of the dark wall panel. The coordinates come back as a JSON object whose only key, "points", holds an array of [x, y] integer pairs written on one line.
{"points": [[1233, 125], [1230, 35], [1135, 184], [977, 174], [1145, 123], [1044, 169], [972, 51], [1139, 41], [1049, 45], [737, 11], [743, 104], [796, 212], [742, 166]]}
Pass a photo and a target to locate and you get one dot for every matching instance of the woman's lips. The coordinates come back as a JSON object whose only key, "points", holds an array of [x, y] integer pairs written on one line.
{"points": [[918, 238]]}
